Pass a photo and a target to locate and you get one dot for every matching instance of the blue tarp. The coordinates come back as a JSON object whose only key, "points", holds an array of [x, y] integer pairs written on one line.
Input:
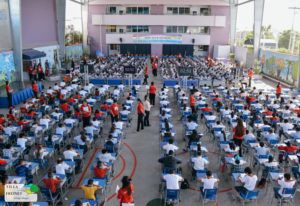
{"points": [[30, 54]]}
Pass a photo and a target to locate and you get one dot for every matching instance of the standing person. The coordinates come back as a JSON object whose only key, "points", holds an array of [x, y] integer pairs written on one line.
{"points": [[125, 194], [278, 90], [154, 68], [152, 91], [30, 70], [47, 68], [141, 114], [250, 76], [9, 93], [86, 114], [238, 135], [193, 103], [35, 89], [147, 107], [40, 72], [114, 112], [146, 75]]}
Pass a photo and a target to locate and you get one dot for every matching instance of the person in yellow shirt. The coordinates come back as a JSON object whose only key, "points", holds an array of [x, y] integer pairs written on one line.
{"points": [[3, 181], [90, 189]]}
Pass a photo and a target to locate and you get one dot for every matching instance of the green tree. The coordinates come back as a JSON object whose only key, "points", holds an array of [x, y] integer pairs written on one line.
{"points": [[284, 39], [249, 37], [266, 32]]}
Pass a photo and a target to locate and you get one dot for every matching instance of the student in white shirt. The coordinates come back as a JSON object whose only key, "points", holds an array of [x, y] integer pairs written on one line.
{"points": [[209, 182], [249, 136], [261, 149], [172, 180], [22, 140], [70, 153], [286, 126], [106, 157], [285, 182], [170, 146], [249, 180], [191, 125], [60, 130], [61, 167], [199, 163], [271, 135]]}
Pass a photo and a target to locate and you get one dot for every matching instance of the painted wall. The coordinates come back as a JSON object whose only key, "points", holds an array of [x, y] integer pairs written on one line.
{"points": [[220, 35], [39, 27], [5, 34], [157, 9], [94, 30]]}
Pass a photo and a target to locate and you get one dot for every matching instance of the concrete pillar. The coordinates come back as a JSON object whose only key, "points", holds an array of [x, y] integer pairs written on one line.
{"points": [[61, 23], [84, 19], [258, 17], [233, 17], [16, 31]]}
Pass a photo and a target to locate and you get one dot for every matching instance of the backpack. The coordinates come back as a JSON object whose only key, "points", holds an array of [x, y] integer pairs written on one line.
{"points": [[185, 184]]}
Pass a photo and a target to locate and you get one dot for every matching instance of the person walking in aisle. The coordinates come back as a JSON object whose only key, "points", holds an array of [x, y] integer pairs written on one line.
{"points": [[152, 91], [141, 114], [147, 107], [146, 75], [114, 112], [250, 76], [9, 94]]}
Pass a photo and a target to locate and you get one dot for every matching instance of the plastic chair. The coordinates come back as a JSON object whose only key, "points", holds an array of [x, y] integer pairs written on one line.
{"points": [[290, 193], [209, 195], [249, 196], [47, 194], [172, 196]]}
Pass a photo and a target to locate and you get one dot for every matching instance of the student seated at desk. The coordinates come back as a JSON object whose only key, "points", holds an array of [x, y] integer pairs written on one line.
{"points": [[106, 157], [269, 166], [61, 167], [82, 141], [209, 182], [173, 180], [249, 136], [169, 162], [193, 138], [191, 125], [60, 130], [90, 189], [98, 114], [45, 120], [289, 148], [285, 182], [164, 116], [23, 170], [199, 163], [286, 126], [52, 183], [125, 194], [261, 149], [170, 146], [236, 167], [22, 140], [249, 180], [8, 151], [39, 152], [271, 136], [112, 139], [296, 135], [100, 170]]}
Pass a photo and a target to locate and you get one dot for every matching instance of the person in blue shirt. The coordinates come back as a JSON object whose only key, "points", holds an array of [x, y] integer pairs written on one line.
{"points": [[23, 170]]}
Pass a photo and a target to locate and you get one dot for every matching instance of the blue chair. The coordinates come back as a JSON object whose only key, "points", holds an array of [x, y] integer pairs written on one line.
{"points": [[249, 196], [49, 196], [209, 195], [124, 118], [171, 196], [289, 192]]}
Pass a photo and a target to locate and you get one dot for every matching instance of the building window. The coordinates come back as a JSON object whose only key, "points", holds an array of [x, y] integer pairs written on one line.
{"points": [[111, 29], [202, 48], [113, 47], [137, 10], [178, 10], [112, 10], [137, 29], [205, 11], [182, 29], [184, 10], [171, 29]]}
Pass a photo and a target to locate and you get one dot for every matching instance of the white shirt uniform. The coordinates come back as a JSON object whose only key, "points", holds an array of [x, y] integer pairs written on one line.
{"points": [[70, 154], [61, 168], [172, 181], [249, 182], [167, 147], [199, 163], [209, 183]]}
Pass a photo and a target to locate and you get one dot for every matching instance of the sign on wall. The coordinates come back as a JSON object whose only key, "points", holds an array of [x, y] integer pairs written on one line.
{"points": [[7, 66], [157, 39], [283, 67], [185, 71]]}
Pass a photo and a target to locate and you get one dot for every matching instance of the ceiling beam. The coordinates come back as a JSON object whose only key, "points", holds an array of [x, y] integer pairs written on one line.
{"points": [[245, 2]]}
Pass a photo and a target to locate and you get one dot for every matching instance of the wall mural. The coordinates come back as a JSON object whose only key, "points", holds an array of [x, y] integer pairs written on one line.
{"points": [[282, 67], [7, 66]]}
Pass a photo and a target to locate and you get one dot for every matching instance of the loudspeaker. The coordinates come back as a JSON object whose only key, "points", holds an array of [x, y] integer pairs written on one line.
{"points": [[121, 40], [193, 41]]}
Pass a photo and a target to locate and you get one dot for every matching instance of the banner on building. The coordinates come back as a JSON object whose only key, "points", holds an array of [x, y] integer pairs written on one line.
{"points": [[157, 39], [7, 66], [280, 66]]}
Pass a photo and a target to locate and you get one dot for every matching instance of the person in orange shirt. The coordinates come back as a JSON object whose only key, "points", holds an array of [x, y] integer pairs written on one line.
{"points": [[125, 194], [278, 90], [35, 89], [86, 113], [141, 114], [9, 93], [52, 183], [250, 76], [146, 75], [114, 112], [193, 103], [152, 91], [100, 170]]}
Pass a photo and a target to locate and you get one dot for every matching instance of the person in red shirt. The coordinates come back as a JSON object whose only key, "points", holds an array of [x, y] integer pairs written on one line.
{"points": [[250, 76], [141, 114], [100, 171], [66, 108], [31, 113], [152, 92], [238, 135], [154, 68], [289, 148], [52, 183], [98, 114], [34, 73], [9, 93], [10, 116], [41, 75], [146, 75], [125, 194], [2, 119], [114, 112], [71, 100], [278, 90], [193, 103], [206, 108], [267, 112], [77, 96], [29, 70], [86, 111], [35, 89], [22, 122], [77, 113], [104, 107]]}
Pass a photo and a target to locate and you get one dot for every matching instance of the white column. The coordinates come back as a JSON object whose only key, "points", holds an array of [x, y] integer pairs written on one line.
{"points": [[84, 19], [16, 34], [258, 17], [233, 17], [61, 23]]}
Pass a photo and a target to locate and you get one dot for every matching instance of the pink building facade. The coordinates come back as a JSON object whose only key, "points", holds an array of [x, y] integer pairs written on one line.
{"points": [[158, 28]]}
